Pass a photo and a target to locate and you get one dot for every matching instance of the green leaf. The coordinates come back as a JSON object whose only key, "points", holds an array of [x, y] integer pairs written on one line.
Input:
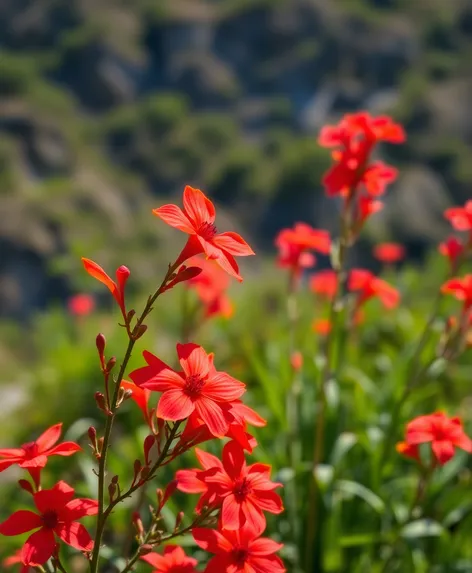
{"points": [[422, 528], [354, 488]]}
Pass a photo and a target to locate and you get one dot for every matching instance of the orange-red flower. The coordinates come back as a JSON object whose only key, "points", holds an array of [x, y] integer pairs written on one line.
{"points": [[58, 515], [442, 432], [33, 456], [199, 388], [354, 139], [324, 283], [81, 304], [243, 492], [389, 252], [452, 248], [140, 396], [173, 560], [368, 286], [242, 551], [117, 288], [14, 560], [198, 220], [364, 208], [321, 326], [295, 246], [460, 217], [461, 288], [211, 286]]}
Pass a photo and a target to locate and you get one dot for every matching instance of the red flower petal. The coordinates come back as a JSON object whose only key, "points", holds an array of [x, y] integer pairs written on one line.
{"points": [[64, 449], [233, 243], [48, 438], [211, 540], [443, 450], [80, 507], [188, 481], [193, 359], [269, 501], [98, 273], [12, 453], [36, 462], [223, 388], [4, 464], [198, 207], [207, 461], [55, 498], [265, 546], [75, 535], [212, 415], [232, 517], [175, 217], [20, 522], [174, 405], [39, 547], [233, 459]]}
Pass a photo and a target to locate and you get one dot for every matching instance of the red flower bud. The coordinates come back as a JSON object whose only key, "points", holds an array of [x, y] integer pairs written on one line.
{"points": [[148, 443], [100, 343], [138, 332], [26, 485], [145, 549], [111, 364], [178, 520]]}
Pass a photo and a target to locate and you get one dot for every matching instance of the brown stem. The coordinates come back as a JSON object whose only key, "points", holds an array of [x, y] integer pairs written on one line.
{"points": [[102, 515]]}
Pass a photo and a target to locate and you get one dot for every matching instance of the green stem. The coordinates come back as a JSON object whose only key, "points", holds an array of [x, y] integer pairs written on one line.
{"points": [[328, 368], [102, 515]]}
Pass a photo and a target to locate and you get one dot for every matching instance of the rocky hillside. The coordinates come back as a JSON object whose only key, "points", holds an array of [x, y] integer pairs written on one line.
{"points": [[108, 107]]}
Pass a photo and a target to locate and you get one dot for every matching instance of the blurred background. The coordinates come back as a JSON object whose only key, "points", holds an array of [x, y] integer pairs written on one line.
{"points": [[108, 107]]}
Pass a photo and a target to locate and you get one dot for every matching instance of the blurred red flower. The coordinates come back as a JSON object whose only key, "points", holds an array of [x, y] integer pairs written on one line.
{"points": [[366, 206], [140, 396], [173, 560], [58, 515], [14, 560], [461, 288], [198, 220], [34, 455], [354, 138], [389, 252], [460, 217], [442, 432], [324, 283], [321, 326], [244, 492], [295, 244], [81, 304], [211, 286], [452, 248], [198, 387], [241, 551], [369, 286]]}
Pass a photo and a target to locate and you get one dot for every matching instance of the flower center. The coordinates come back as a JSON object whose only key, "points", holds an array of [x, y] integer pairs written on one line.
{"points": [[240, 556], [207, 231], [31, 449], [194, 385], [241, 489], [50, 519]]}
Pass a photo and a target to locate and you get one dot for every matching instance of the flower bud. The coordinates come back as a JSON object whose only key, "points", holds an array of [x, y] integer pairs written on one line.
{"points": [[101, 402], [111, 364], [178, 520], [137, 522], [139, 331], [92, 434], [26, 485], [111, 490], [100, 343], [148, 443], [145, 472]]}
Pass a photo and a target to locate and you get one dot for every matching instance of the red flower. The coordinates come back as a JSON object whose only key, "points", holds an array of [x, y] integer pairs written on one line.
{"points": [[452, 248], [324, 283], [154, 366], [355, 137], [174, 560], [197, 220], [58, 512], [461, 288], [460, 217], [245, 492], [294, 246], [241, 551], [211, 286], [441, 431], [199, 387], [389, 252], [238, 416], [34, 455], [366, 206], [140, 396], [369, 286], [321, 326], [14, 559], [81, 304], [117, 288]]}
